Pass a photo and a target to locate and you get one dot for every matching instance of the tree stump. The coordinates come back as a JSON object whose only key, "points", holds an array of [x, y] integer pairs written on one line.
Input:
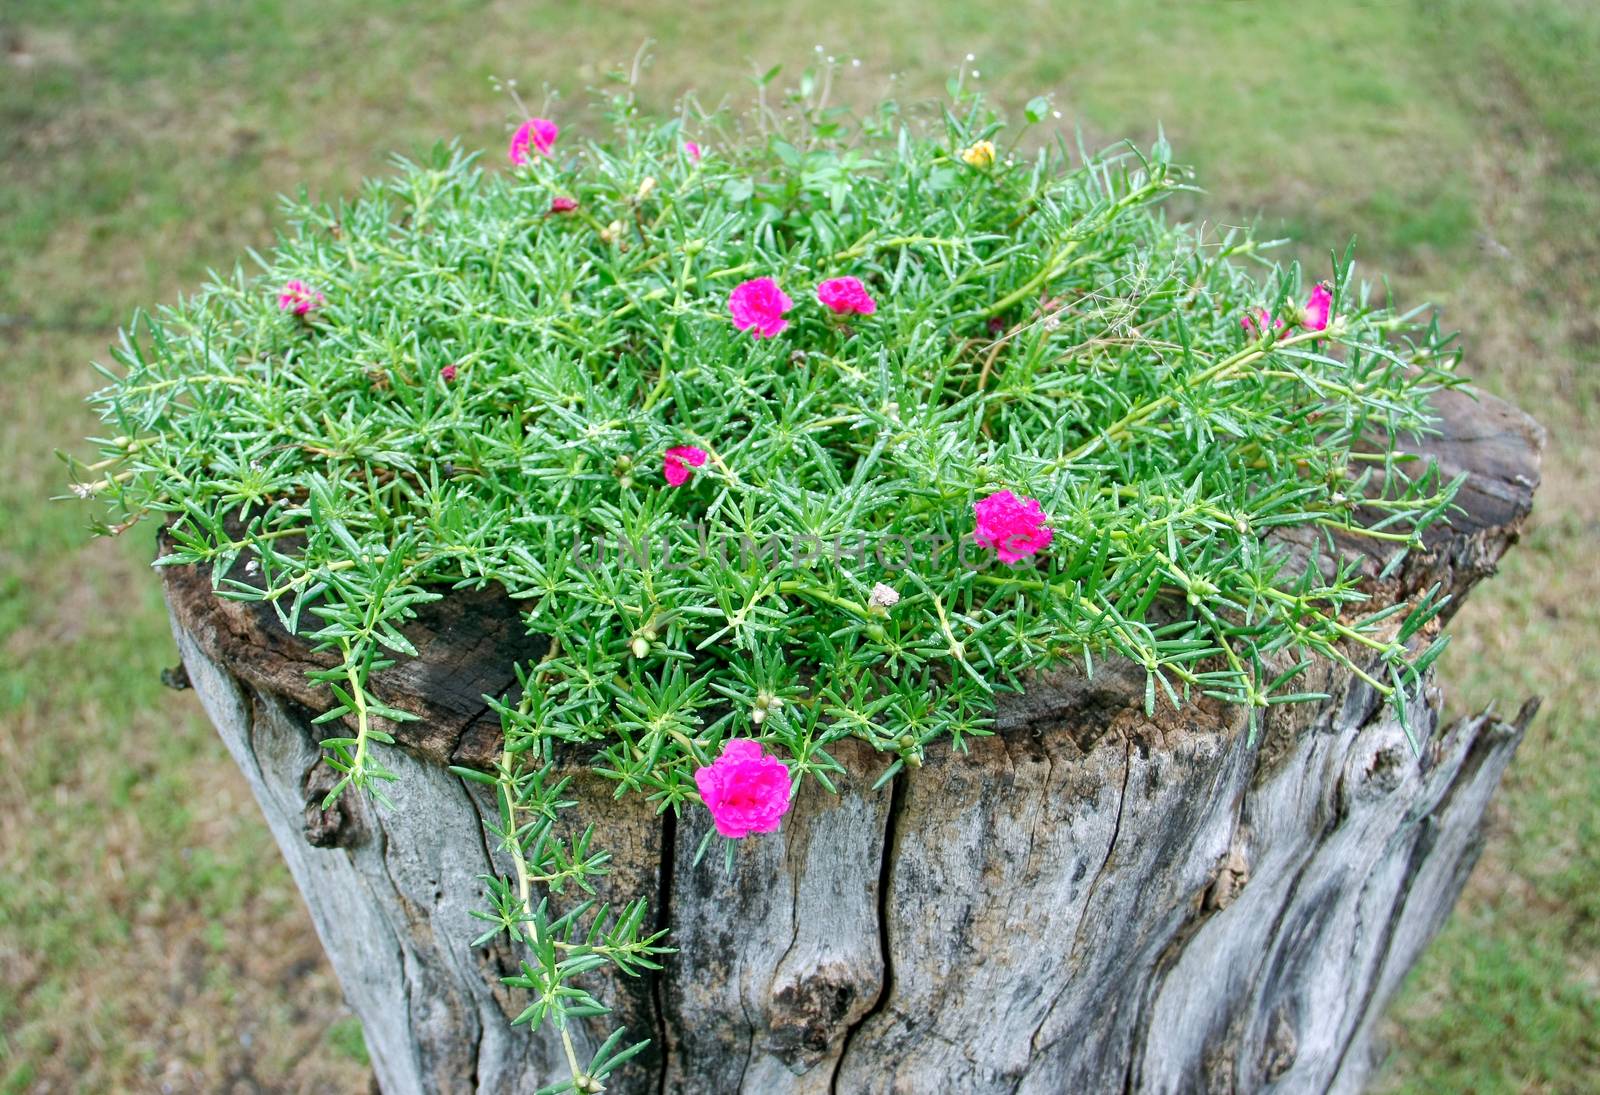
{"points": [[1090, 899]]}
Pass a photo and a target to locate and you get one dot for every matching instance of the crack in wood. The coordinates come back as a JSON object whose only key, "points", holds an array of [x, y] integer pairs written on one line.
{"points": [[663, 921], [891, 845]]}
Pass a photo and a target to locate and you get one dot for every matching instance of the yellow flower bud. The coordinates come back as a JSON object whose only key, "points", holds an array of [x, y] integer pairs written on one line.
{"points": [[981, 154]]}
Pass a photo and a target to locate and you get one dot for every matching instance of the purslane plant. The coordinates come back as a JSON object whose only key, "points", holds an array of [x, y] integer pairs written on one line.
{"points": [[833, 432]]}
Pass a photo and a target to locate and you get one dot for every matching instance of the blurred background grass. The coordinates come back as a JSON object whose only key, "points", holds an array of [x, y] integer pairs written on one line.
{"points": [[150, 939]]}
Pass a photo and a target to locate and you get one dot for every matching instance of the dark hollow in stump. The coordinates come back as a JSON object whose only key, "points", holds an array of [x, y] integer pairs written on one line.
{"points": [[1088, 900]]}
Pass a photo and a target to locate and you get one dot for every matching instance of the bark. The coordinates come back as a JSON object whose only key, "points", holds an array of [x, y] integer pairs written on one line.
{"points": [[1088, 900]]}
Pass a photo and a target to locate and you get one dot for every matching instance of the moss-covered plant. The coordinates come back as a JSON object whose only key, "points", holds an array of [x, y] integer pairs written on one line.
{"points": [[834, 429]]}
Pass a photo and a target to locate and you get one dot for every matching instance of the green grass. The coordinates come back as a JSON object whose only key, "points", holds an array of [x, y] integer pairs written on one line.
{"points": [[149, 935]]}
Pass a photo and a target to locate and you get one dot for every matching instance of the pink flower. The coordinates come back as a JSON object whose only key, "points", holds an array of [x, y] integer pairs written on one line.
{"points": [[448, 373], [678, 462], [563, 205], [1261, 319], [1013, 526], [745, 790], [758, 306], [536, 135], [846, 295], [1314, 317], [299, 298], [692, 150]]}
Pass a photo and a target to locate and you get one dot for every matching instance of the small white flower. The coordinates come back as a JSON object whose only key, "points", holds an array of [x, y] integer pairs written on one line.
{"points": [[883, 596], [765, 702]]}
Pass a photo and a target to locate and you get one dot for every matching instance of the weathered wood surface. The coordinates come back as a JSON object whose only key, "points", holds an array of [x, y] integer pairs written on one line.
{"points": [[1088, 900]]}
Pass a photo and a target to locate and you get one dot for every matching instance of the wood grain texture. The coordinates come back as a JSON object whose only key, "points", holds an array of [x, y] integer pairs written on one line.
{"points": [[1090, 899]]}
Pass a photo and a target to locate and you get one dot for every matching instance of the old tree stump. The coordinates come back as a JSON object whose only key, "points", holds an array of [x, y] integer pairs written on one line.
{"points": [[1088, 900]]}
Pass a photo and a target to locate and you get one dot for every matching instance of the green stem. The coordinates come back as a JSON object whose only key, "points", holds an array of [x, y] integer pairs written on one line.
{"points": [[817, 594], [1219, 370], [358, 696]]}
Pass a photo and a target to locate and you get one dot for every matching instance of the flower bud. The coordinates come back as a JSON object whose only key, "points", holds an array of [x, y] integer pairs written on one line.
{"points": [[640, 646], [645, 187], [979, 154], [883, 598]]}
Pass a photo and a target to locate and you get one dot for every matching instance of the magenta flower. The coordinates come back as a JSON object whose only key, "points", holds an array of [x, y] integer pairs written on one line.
{"points": [[1260, 319], [299, 298], [679, 462], [758, 306], [536, 136], [1314, 316], [692, 150], [846, 295], [563, 205], [745, 790], [448, 373], [1013, 526]]}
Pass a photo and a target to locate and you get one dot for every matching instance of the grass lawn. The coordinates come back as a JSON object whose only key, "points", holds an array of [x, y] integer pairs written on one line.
{"points": [[150, 939]]}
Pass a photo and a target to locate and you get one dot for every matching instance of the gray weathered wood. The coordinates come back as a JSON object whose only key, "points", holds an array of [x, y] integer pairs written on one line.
{"points": [[1090, 899]]}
